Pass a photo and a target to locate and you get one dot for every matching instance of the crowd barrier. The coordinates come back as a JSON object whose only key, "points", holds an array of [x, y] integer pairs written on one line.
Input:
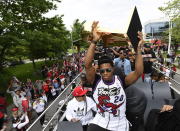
{"points": [[52, 111]]}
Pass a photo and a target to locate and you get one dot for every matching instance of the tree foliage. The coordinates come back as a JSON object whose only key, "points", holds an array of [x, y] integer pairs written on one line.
{"points": [[172, 10], [25, 31], [78, 34]]}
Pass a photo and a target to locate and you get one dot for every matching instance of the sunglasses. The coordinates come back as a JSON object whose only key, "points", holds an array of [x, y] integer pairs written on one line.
{"points": [[105, 70]]}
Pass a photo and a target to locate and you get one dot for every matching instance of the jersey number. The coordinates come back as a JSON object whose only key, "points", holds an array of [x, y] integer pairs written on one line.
{"points": [[118, 98]]}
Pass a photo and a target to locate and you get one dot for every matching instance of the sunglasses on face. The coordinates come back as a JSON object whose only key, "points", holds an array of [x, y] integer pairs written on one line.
{"points": [[105, 70]]}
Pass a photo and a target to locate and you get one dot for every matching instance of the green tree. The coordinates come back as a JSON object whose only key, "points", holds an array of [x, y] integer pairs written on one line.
{"points": [[49, 41], [172, 10], [23, 26], [78, 34]]}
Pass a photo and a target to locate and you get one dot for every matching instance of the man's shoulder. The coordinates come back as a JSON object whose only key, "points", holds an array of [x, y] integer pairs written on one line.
{"points": [[89, 99], [127, 60], [72, 102]]}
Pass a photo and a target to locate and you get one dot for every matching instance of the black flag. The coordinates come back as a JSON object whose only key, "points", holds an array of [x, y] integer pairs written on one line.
{"points": [[134, 27]]}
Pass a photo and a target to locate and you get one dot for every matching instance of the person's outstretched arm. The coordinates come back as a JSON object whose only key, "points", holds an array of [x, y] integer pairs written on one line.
{"points": [[90, 70], [139, 67], [115, 52]]}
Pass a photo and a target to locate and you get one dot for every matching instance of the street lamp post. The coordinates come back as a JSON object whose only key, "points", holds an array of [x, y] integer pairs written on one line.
{"points": [[170, 34]]}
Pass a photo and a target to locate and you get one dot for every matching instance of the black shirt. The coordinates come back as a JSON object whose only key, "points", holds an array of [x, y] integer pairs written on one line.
{"points": [[147, 55]]}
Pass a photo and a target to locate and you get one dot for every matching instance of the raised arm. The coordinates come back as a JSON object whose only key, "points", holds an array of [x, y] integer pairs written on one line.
{"points": [[90, 70], [115, 52], [139, 67]]}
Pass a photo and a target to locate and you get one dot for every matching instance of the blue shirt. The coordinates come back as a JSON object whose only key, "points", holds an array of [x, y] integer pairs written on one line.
{"points": [[124, 65]]}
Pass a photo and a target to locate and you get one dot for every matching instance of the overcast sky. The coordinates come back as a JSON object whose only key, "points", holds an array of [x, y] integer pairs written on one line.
{"points": [[112, 14]]}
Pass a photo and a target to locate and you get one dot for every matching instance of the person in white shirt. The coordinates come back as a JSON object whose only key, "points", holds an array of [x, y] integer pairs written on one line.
{"points": [[19, 121], [43, 97], [17, 99], [39, 106], [79, 109], [167, 73]]}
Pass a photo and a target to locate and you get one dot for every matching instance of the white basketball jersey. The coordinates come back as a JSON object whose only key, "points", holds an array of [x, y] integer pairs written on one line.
{"points": [[111, 102]]}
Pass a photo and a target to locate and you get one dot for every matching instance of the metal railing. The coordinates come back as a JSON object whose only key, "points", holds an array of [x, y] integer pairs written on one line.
{"points": [[173, 82], [164, 73], [159, 64], [53, 122], [52, 109]]}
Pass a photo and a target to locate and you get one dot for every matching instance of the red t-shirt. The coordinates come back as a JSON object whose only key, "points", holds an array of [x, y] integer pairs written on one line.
{"points": [[49, 74], [45, 88]]}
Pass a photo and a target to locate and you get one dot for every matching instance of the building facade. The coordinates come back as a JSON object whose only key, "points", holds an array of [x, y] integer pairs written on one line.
{"points": [[155, 28]]}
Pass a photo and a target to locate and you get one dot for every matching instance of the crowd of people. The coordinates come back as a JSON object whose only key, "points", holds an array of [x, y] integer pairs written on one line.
{"points": [[32, 96], [106, 99]]}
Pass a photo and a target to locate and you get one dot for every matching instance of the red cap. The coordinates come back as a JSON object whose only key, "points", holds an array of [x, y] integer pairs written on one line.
{"points": [[79, 91], [14, 109]]}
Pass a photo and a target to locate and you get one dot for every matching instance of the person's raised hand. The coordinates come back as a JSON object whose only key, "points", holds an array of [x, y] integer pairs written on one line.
{"points": [[126, 37], [141, 42], [95, 34]]}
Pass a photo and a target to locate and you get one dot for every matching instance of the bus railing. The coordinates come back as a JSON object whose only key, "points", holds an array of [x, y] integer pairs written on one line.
{"points": [[173, 83], [57, 116], [54, 106], [159, 64]]}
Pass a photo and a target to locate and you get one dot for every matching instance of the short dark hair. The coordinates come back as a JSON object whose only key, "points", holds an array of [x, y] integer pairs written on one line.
{"points": [[105, 59]]}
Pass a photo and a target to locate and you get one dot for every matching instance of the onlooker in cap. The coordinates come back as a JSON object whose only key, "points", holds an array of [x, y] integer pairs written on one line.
{"points": [[39, 106], [80, 107], [19, 121], [17, 99]]}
